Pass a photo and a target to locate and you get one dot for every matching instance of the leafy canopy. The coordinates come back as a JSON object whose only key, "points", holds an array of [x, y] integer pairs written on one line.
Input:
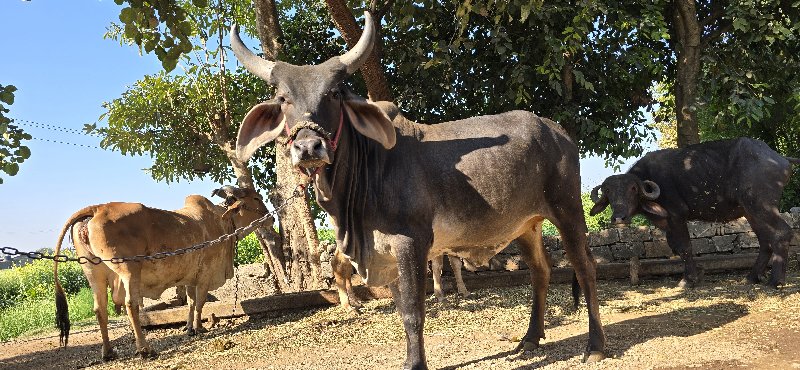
{"points": [[12, 152]]}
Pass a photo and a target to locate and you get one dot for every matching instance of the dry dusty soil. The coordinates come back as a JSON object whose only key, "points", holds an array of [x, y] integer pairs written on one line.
{"points": [[723, 324]]}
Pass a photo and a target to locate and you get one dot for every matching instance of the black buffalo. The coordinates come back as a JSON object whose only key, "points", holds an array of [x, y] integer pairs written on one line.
{"points": [[400, 192], [712, 181]]}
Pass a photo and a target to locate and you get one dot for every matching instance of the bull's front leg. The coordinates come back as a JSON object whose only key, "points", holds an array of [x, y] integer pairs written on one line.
{"points": [[680, 243], [410, 289]]}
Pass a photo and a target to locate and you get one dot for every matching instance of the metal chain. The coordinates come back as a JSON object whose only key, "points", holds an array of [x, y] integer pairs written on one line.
{"points": [[237, 234]]}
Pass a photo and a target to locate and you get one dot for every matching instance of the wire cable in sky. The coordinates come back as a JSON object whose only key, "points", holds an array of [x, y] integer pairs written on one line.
{"points": [[67, 143], [25, 122]]}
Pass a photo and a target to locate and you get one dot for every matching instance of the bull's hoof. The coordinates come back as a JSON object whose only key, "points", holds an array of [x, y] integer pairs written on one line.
{"points": [[467, 295], [109, 356], [147, 353], [775, 283], [753, 278], [595, 356]]}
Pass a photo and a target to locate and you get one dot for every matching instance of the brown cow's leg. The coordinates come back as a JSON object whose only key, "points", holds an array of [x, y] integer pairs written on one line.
{"points": [[412, 268], [191, 294], [343, 274], [534, 255], [455, 263], [98, 281], [436, 270], [201, 294], [132, 300]]}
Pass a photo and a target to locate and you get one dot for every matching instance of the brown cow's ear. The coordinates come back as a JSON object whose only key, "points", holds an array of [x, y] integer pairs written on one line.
{"points": [[262, 124], [371, 121], [599, 206], [654, 208]]}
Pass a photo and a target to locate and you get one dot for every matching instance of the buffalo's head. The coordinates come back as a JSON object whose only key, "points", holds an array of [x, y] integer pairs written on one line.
{"points": [[311, 105], [246, 205], [628, 195]]}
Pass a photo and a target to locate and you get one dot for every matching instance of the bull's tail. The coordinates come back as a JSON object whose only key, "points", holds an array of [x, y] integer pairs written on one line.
{"points": [[793, 160], [62, 311]]}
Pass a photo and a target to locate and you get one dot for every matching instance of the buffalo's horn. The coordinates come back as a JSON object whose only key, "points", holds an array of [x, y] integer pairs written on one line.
{"points": [[255, 64], [355, 57], [595, 197], [652, 194]]}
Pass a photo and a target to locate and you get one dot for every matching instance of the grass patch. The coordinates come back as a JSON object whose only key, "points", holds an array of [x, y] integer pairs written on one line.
{"points": [[34, 316]]}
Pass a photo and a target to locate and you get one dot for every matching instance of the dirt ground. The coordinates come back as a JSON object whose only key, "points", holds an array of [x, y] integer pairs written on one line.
{"points": [[723, 324]]}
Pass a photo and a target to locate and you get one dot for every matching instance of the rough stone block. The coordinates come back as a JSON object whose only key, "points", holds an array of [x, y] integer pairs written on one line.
{"points": [[795, 238], [698, 229], [791, 219], [724, 243], [702, 246], [551, 243], [603, 237], [512, 248], [747, 240], [736, 226], [635, 234], [657, 249], [624, 251], [602, 254], [558, 259], [658, 234]]}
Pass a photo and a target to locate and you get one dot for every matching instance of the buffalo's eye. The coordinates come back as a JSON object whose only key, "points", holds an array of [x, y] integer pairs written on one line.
{"points": [[281, 99]]}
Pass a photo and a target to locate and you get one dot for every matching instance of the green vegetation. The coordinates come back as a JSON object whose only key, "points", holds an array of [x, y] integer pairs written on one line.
{"points": [[594, 223], [248, 251]]}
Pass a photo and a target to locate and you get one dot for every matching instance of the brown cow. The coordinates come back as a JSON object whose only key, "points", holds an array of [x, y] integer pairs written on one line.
{"points": [[343, 273], [130, 229]]}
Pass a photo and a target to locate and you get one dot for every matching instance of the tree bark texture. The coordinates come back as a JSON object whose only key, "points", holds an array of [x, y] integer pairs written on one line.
{"points": [[687, 53], [372, 70], [299, 238]]}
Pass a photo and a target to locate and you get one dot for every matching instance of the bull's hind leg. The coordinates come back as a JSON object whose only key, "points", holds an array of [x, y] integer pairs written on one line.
{"points": [[568, 218], [774, 235], [130, 280], [534, 255]]}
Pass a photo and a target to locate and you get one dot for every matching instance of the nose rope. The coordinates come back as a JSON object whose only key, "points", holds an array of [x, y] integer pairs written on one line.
{"points": [[318, 129]]}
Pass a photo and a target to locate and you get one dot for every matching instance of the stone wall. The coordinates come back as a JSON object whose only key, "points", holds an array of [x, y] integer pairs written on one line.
{"points": [[620, 245]]}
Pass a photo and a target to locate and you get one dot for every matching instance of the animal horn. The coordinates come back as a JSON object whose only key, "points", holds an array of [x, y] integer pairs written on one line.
{"points": [[355, 57], [652, 194], [255, 64], [595, 197]]}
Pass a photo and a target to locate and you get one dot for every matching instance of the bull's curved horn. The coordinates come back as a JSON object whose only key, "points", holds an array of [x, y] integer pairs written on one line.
{"points": [[595, 197], [355, 57], [652, 194], [256, 65]]}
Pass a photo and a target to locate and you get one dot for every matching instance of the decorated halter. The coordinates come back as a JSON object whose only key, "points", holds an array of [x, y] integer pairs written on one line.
{"points": [[322, 132]]}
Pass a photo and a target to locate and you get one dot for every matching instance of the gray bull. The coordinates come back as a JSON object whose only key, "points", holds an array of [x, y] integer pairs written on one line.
{"points": [[399, 192]]}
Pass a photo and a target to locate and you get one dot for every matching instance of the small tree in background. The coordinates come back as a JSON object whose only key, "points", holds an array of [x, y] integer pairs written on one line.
{"points": [[12, 152]]}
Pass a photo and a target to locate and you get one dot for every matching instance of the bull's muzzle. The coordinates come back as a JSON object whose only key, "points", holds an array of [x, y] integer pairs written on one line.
{"points": [[310, 152]]}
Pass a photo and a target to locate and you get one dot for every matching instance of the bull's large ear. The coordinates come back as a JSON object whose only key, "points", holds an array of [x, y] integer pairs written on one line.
{"points": [[371, 121], [262, 124], [601, 204], [654, 208]]}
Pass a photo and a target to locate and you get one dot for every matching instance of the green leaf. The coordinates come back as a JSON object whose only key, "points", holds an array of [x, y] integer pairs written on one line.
{"points": [[6, 97]]}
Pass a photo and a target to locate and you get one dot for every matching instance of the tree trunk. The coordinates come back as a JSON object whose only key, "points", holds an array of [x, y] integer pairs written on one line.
{"points": [[568, 85], [372, 70], [687, 52], [299, 239]]}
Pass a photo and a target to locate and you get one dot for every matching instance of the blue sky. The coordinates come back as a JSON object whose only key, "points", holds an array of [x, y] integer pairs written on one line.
{"points": [[55, 54]]}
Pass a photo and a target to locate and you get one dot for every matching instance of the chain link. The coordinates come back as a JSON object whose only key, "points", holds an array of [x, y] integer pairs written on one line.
{"points": [[237, 234]]}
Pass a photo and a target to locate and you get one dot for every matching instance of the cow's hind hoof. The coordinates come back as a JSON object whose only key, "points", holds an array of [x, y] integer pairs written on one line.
{"points": [[109, 356], [687, 284], [595, 356], [147, 354], [527, 346]]}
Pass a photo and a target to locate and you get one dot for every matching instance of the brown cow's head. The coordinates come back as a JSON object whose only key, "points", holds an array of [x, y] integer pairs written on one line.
{"points": [[627, 194], [310, 105], [246, 205]]}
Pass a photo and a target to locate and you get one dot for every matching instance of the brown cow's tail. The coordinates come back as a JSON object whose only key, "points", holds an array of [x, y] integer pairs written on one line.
{"points": [[62, 311]]}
